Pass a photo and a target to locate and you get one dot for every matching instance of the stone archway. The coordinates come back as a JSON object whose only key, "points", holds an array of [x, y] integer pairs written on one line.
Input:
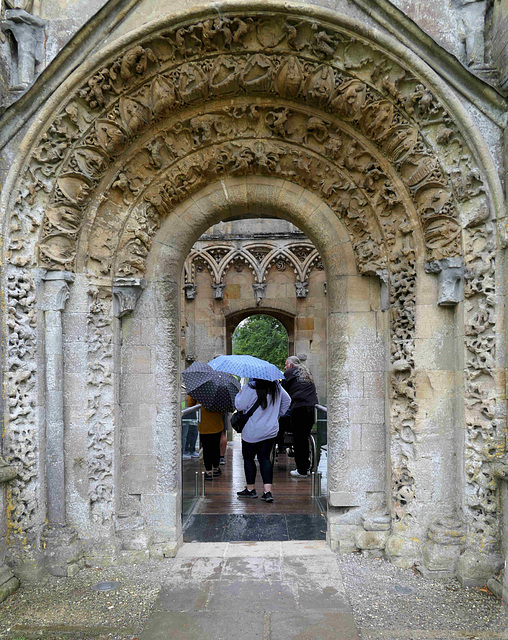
{"points": [[324, 107], [287, 321]]}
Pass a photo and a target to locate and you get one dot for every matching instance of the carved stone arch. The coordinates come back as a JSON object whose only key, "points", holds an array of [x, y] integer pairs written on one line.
{"points": [[384, 97], [244, 257], [208, 261], [289, 258]]}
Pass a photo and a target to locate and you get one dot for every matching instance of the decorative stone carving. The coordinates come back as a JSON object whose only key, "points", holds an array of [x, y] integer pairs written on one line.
{"points": [[218, 291], [20, 444], [126, 293], [374, 115], [302, 289], [191, 290], [27, 34], [301, 256], [472, 28], [259, 292], [384, 293], [451, 280], [330, 75], [100, 407]]}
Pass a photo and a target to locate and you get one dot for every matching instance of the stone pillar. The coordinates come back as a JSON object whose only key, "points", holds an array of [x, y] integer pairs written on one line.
{"points": [[8, 581], [62, 550]]}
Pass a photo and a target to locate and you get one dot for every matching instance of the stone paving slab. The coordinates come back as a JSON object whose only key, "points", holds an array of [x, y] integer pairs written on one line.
{"points": [[311, 625], [204, 625], [278, 595]]}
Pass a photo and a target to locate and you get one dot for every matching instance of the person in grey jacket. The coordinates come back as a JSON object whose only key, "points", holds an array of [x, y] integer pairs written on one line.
{"points": [[258, 435]]}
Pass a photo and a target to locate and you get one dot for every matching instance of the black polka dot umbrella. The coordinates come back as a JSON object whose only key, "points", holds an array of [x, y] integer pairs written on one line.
{"points": [[215, 390]]}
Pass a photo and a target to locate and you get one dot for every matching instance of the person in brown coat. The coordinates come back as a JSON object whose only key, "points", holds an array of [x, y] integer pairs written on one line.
{"points": [[210, 429]]}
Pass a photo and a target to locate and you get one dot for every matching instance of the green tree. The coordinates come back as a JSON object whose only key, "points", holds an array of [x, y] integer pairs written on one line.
{"points": [[264, 337]]}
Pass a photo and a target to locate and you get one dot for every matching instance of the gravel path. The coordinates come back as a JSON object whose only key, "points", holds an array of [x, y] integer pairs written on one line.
{"points": [[387, 603], [400, 604]]}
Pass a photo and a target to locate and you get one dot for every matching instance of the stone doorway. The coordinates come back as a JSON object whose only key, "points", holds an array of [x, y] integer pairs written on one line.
{"points": [[286, 112]]}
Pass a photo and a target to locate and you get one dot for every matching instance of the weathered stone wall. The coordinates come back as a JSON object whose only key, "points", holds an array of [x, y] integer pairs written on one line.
{"points": [[499, 41]]}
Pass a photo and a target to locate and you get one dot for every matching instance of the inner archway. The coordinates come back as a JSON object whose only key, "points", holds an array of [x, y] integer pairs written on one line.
{"points": [[270, 335]]}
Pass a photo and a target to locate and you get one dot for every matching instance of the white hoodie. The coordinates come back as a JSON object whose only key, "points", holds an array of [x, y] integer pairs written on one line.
{"points": [[263, 423]]}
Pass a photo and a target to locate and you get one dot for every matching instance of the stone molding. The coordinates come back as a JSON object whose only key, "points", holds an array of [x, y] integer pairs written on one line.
{"points": [[76, 154], [259, 257], [389, 17], [126, 293]]}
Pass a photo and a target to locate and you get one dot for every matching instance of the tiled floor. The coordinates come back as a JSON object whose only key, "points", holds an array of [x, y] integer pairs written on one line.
{"points": [[222, 517], [254, 527]]}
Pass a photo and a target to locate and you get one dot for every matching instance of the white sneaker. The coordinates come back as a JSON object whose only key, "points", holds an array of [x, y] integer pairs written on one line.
{"points": [[186, 456], [194, 454], [295, 474]]}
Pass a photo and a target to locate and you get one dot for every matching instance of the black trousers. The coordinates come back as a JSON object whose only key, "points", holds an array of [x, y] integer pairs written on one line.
{"points": [[211, 449], [262, 450], [302, 419]]}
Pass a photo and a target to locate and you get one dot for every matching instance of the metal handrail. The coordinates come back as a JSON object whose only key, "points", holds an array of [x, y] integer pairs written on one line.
{"points": [[196, 407], [321, 408]]}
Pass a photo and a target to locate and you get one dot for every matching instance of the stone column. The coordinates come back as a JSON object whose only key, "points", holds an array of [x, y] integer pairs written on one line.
{"points": [[8, 581], [62, 550]]}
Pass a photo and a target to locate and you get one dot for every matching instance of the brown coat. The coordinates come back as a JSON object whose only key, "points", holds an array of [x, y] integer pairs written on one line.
{"points": [[211, 421]]}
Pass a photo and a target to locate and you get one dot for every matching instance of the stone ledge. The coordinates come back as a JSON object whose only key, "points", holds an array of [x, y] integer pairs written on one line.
{"points": [[8, 583]]}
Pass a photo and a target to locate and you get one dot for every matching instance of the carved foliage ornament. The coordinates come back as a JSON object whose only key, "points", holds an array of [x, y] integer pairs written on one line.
{"points": [[384, 102]]}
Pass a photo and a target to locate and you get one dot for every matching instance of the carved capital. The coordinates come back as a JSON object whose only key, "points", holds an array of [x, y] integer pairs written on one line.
{"points": [[259, 291], [7, 471], [126, 293], [302, 289], [450, 280], [191, 291], [56, 290], [218, 291]]}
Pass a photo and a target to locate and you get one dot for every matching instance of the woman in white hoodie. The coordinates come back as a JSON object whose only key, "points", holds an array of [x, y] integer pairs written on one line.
{"points": [[258, 435]]}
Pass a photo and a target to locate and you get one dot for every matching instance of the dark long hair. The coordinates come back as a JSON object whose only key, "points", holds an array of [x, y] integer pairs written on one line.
{"points": [[265, 388]]}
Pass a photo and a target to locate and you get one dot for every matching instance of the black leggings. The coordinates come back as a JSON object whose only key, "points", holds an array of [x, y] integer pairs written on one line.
{"points": [[211, 449], [302, 419], [262, 450]]}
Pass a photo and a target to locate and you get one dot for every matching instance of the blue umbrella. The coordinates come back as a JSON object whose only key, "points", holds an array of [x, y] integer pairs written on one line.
{"points": [[247, 367], [215, 390]]}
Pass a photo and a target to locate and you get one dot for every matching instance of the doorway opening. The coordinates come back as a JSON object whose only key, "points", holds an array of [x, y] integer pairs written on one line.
{"points": [[254, 286], [263, 336]]}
